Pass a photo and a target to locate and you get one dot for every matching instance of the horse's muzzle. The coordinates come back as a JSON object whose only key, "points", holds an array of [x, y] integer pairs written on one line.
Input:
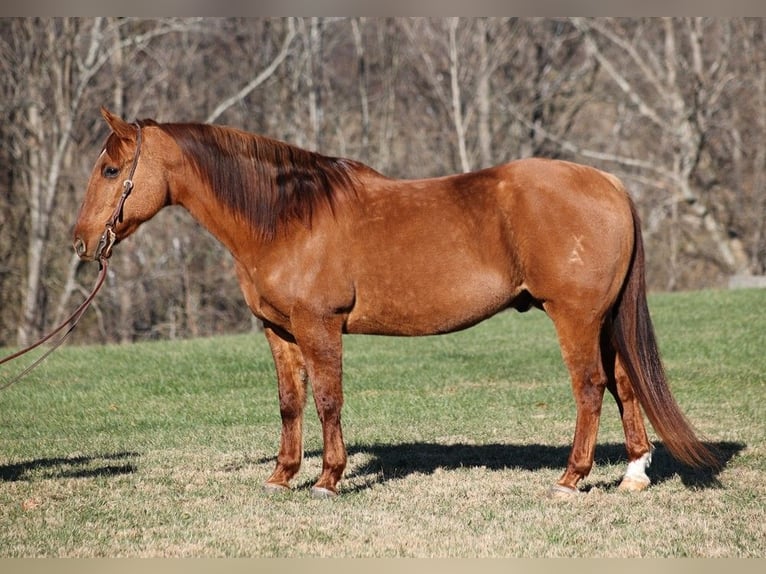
{"points": [[103, 249]]}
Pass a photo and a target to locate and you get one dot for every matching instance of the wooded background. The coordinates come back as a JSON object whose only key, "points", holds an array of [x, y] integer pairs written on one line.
{"points": [[675, 107]]}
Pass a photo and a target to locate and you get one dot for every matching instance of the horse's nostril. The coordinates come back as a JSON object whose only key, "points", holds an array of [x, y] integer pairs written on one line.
{"points": [[79, 247]]}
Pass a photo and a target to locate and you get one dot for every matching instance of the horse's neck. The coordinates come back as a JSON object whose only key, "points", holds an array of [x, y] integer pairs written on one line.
{"points": [[231, 230]]}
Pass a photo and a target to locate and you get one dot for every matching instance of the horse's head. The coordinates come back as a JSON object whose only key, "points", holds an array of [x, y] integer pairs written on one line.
{"points": [[127, 187]]}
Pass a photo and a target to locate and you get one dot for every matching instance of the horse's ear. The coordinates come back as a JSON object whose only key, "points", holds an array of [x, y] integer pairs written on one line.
{"points": [[120, 127]]}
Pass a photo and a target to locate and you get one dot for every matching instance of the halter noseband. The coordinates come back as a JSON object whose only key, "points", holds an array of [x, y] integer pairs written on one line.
{"points": [[108, 238]]}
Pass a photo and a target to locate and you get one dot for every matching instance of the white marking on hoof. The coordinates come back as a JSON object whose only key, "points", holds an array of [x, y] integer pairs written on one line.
{"points": [[635, 478], [561, 492], [320, 492], [272, 488]]}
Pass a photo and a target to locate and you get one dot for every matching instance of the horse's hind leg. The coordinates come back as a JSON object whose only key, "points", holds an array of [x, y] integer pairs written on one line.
{"points": [[292, 379], [579, 339], [636, 440]]}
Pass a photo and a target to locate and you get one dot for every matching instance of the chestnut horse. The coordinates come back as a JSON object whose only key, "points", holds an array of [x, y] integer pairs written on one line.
{"points": [[326, 246]]}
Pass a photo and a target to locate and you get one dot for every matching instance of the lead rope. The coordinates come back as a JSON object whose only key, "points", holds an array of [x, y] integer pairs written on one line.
{"points": [[104, 250], [69, 324]]}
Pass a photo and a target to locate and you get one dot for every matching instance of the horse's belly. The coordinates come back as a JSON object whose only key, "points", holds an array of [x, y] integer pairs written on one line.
{"points": [[431, 307]]}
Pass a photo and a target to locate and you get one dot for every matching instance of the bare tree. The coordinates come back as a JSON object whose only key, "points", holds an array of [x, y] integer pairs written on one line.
{"points": [[458, 58], [261, 77], [675, 91], [736, 146], [56, 75], [363, 75], [52, 66]]}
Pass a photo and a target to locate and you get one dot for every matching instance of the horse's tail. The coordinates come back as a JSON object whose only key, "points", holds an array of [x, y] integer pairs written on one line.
{"points": [[636, 345]]}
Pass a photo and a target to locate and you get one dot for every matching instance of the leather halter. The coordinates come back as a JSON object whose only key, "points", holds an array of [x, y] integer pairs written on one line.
{"points": [[108, 238], [103, 251]]}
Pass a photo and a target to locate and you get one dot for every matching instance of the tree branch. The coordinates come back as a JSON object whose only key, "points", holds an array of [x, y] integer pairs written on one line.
{"points": [[260, 78], [644, 109]]}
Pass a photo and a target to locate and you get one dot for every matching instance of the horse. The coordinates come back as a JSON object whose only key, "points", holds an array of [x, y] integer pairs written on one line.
{"points": [[326, 246]]}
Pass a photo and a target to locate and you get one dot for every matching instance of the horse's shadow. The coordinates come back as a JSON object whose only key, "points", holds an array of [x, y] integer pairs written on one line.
{"points": [[386, 462], [91, 466]]}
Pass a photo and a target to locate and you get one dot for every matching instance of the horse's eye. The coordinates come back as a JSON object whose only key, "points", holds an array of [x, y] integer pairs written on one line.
{"points": [[110, 171]]}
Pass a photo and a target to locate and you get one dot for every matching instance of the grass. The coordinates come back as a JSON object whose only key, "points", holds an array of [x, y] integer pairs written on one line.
{"points": [[160, 449]]}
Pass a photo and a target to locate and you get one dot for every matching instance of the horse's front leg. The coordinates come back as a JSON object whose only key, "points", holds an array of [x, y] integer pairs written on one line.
{"points": [[320, 341], [292, 378]]}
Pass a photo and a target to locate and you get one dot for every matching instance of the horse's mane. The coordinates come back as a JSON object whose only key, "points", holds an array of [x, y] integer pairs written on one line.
{"points": [[265, 181]]}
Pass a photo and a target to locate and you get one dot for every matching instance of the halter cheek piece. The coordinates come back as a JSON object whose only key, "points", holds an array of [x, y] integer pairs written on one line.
{"points": [[108, 238]]}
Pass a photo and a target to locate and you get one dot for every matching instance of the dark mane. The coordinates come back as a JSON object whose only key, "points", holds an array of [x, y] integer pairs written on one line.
{"points": [[267, 182]]}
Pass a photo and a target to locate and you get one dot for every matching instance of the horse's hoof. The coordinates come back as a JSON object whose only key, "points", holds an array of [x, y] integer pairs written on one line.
{"points": [[634, 483], [558, 491], [274, 488], [320, 492]]}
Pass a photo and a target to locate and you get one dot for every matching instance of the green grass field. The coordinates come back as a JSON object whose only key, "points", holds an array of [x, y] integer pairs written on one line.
{"points": [[161, 449]]}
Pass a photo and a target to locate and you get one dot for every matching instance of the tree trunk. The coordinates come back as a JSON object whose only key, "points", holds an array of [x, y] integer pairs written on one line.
{"points": [[483, 95], [356, 27], [457, 101]]}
